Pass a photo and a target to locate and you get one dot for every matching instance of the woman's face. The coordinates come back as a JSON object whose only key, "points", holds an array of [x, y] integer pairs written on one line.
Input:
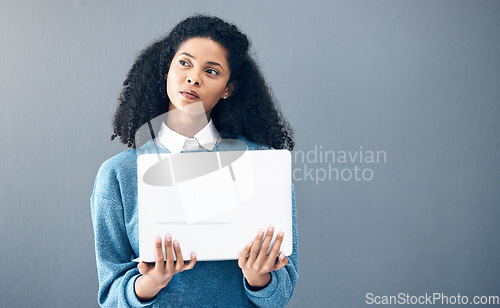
{"points": [[199, 72]]}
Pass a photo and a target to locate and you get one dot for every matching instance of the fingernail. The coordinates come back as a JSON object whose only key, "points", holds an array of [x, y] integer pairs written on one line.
{"points": [[261, 232], [158, 239], [176, 243], [249, 244], [281, 233], [282, 256], [270, 229], [169, 237]]}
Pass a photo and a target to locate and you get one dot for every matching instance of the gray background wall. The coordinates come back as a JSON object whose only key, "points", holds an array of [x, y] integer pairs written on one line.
{"points": [[419, 80]]}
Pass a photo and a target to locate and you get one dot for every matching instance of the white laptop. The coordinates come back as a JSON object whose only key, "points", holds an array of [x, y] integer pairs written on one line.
{"points": [[213, 203]]}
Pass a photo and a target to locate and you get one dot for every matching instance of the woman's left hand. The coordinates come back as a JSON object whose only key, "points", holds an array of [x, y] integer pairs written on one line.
{"points": [[256, 264]]}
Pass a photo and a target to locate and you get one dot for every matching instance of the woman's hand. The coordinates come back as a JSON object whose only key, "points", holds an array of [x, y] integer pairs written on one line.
{"points": [[156, 277], [256, 264]]}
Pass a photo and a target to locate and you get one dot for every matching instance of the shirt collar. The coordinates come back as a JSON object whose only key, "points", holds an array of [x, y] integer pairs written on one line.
{"points": [[207, 137]]}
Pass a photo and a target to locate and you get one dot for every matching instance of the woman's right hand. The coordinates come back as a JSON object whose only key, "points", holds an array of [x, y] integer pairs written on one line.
{"points": [[155, 277]]}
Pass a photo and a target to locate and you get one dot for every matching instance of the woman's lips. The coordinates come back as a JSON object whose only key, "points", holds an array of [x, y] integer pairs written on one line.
{"points": [[190, 94]]}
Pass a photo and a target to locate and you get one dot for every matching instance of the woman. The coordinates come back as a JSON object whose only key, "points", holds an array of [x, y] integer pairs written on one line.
{"points": [[202, 74]]}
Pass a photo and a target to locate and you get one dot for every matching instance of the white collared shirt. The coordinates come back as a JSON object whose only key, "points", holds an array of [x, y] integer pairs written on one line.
{"points": [[206, 138]]}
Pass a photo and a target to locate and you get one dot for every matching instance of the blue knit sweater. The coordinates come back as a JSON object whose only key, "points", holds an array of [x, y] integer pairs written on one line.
{"points": [[208, 284]]}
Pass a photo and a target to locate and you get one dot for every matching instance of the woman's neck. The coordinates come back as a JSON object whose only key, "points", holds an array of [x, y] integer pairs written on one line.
{"points": [[187, 124]]}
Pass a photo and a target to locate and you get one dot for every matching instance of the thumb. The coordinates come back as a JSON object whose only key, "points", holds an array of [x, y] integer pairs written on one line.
{"points": [[280, 262], [143, 268]]}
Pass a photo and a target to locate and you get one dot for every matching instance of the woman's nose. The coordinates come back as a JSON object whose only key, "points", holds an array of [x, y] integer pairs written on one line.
{"points": [[193, 80]]}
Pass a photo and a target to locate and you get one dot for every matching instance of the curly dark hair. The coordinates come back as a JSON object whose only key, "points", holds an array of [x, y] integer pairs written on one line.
{"points": [[250, 111]]}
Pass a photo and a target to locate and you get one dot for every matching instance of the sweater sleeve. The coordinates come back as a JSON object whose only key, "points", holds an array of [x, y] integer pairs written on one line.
{"points": [[116, 270], [280, 289]]}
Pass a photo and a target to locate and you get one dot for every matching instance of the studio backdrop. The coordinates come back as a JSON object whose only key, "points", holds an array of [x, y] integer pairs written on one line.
{"points": [[395, 107]]}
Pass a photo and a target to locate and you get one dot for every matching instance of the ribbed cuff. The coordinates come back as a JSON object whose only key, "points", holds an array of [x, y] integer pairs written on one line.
{"points": [[267, 291]]}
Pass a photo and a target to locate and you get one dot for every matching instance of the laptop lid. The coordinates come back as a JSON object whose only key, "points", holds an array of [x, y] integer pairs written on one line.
{"points": [[213, 203]]}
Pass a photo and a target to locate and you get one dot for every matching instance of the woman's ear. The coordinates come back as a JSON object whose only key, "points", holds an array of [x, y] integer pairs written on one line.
{"points": [[228, 91]]}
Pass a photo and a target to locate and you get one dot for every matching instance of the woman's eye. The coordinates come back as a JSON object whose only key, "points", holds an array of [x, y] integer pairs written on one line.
{"points": [[183, 63], [212, 72]]}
